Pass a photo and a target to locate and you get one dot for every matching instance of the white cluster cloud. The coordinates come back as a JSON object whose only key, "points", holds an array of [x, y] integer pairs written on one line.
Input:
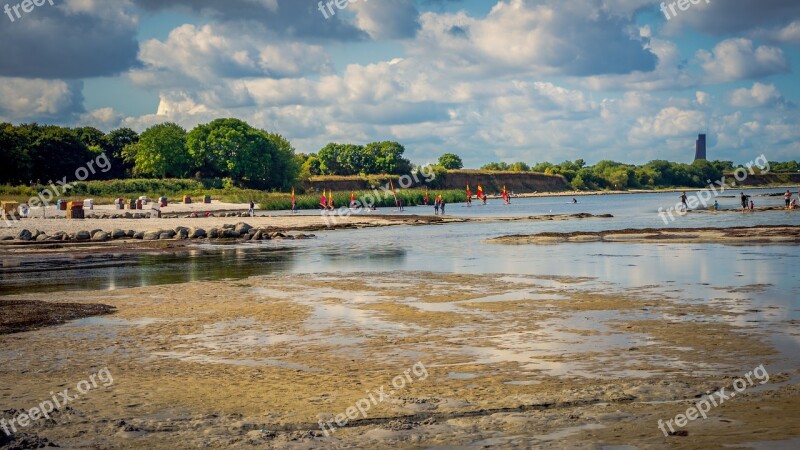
{"points": [[530, 81]]}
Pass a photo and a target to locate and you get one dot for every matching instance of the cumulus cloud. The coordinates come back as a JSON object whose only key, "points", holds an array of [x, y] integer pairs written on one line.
{"points": [[520, 36], [210, 53], [789, 34], [23, 100], [723, 18], [387, 19], [739, 59], [290, 19], [757, 96], [75, 39]]}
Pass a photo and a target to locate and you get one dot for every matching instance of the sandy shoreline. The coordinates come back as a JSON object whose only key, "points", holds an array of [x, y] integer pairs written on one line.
{"points": [[585, 365], [756, 235]]}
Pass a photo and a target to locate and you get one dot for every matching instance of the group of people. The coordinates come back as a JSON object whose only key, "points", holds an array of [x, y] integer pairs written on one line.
{"points": [[747, 202], [438, 205], [791, 203]]}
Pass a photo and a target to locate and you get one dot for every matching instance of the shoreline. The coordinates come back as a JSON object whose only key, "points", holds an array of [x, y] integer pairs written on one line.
{"points": [[755, 235], [51, 233]]}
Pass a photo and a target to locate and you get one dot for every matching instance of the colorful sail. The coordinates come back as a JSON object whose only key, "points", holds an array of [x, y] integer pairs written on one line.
{"points": [[480, 191], [427, 199], [330, 199], [294, 201], [323, 201], [396, 203]]}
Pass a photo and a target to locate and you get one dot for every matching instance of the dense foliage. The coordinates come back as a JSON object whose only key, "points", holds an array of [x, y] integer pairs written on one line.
{"points": [[349, 159], [451, 161]]}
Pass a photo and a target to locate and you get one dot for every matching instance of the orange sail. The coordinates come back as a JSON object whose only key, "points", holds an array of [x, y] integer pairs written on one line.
{"points": [[323, 201], [480, 191], [330, 199], [294, 202]]}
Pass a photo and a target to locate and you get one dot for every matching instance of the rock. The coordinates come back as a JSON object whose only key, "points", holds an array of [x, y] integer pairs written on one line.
{"points": [[7, 238], [213, 233], [166, 236], [83, 235], [170, 233], [128, 215], [257, 235], [100, 236], [197, 233], [24, 235], [139, 235], [41, 237], [231, 234], [118, 234], [183, 234], [131, 233], [151, 236], [228, 226], [91, 233]]}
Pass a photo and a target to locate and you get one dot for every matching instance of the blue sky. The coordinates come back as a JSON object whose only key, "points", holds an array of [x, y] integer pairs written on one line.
{"points": [[511, 80]]}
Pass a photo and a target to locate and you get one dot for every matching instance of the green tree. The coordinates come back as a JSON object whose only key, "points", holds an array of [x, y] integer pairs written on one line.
{"points": [[114, 144], [160, 152], [451, 161]]}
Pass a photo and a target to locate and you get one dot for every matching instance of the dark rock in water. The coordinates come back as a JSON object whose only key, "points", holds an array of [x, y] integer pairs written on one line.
{"points": [[170, 233], [139, 235], [197, 233], [151, 236], [100, 236], [256, 236], [7, 238], [183, 234], [166, 236], [24, 235], [131, 233], [213, 233], [179, 229], [83, 236], [118, 234], [92, 233]]}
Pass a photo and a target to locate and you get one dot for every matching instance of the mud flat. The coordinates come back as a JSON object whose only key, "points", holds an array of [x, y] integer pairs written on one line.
{"points": [[757, 235], [508, 361], [26, 315]]}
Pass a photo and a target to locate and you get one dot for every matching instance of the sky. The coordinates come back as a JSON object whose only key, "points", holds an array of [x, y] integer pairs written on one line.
{"points": [[510, 80]]}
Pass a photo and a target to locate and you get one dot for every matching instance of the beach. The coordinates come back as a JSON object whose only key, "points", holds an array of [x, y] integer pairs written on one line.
{"points": [[410, 331]]}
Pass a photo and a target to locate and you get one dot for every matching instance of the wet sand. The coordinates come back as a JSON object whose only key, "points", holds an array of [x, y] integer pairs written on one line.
{"points": [[511, 362], [757, 235]]}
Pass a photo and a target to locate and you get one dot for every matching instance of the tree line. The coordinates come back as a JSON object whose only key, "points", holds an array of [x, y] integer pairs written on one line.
{"points": [[615, 175], [224, 149]]}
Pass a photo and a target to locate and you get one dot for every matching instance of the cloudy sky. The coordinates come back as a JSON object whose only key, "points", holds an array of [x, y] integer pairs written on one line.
{"points": [[509, 80]]}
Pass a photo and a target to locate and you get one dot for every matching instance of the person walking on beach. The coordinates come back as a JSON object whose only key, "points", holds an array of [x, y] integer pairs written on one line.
{"points": [[436, 206], [787, 197], [252, 210], [684, 202], [442, 206]]}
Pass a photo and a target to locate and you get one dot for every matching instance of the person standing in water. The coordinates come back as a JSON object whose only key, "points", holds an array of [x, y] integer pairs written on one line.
{"points": [[252, 209], [684, 202], [442, 206], [436, 204], [787, 197], [743, 199]]}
